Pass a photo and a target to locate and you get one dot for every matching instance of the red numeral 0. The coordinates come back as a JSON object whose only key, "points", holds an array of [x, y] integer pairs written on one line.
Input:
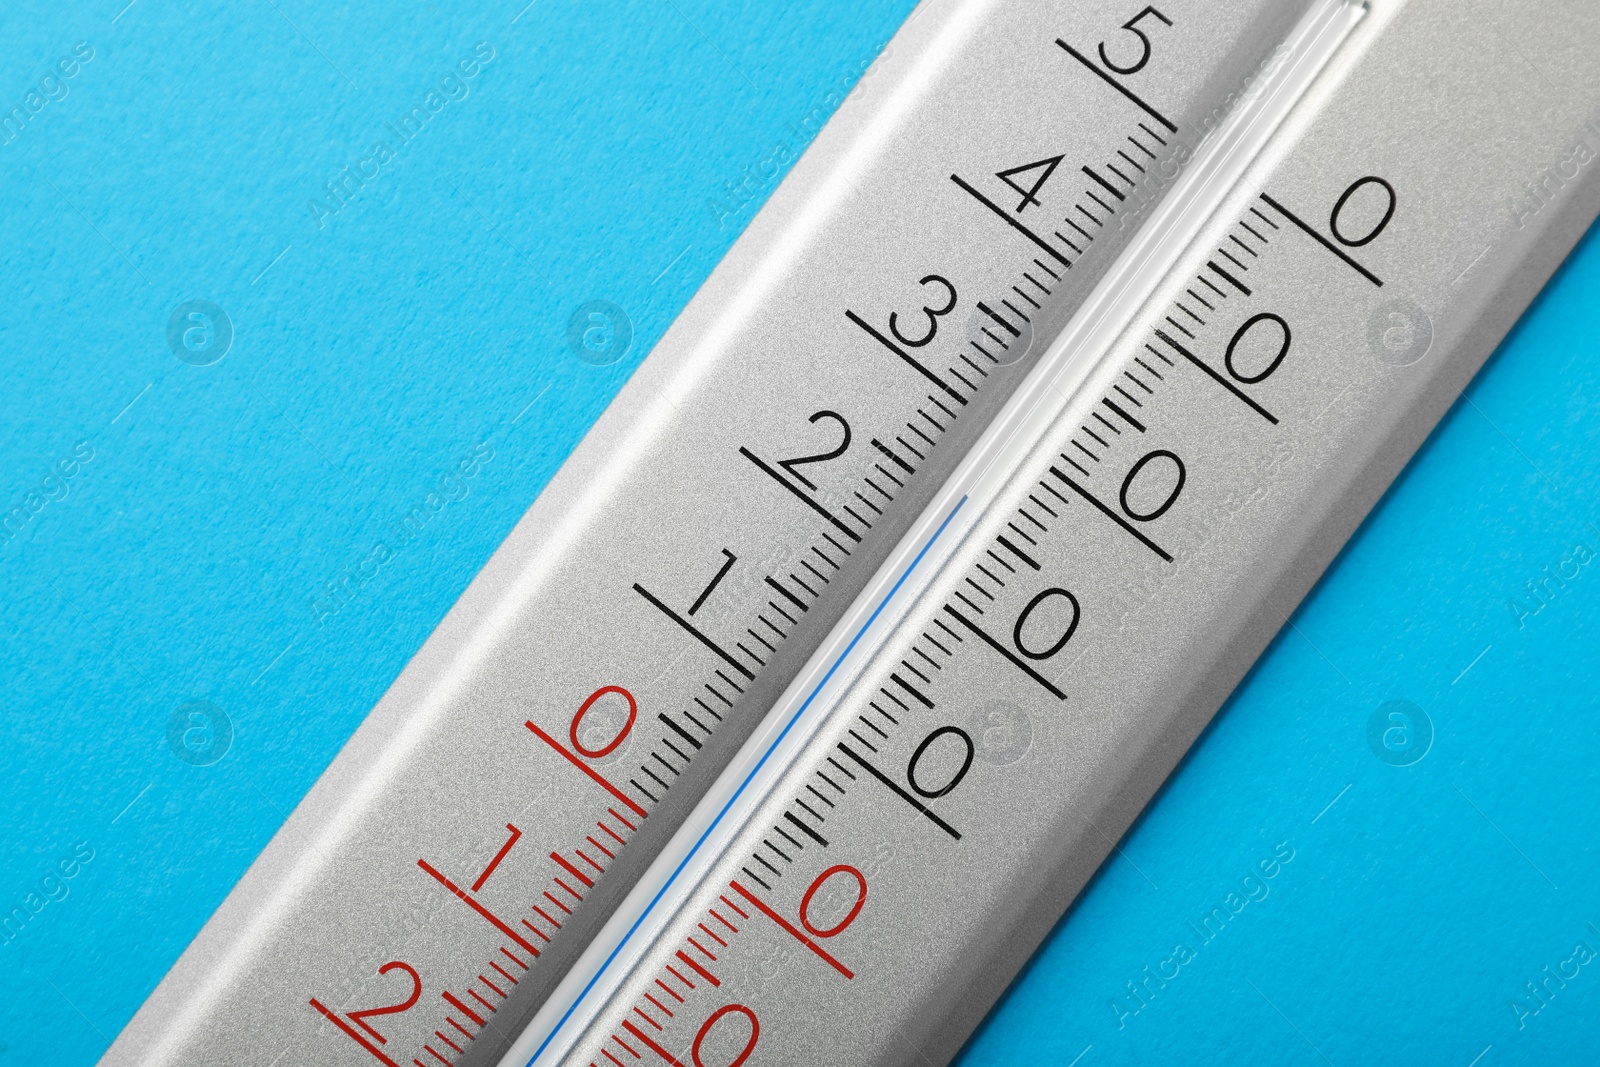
{"points": [[705, 1028], [855, 909], [622, 734]]}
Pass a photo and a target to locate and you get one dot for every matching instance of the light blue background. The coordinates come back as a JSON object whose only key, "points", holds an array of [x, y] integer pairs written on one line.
{"points": [[612, 150]]}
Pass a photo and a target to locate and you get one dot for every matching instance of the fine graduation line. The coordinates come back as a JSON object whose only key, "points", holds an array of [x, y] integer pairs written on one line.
{"points": [[1324, 242], [1019, 227], [901, 793], [1118, 86], [1230, 279], [1219, 379], [1006, 652], [903, 354], [694, 632], [818, 508], [1112, 515]]}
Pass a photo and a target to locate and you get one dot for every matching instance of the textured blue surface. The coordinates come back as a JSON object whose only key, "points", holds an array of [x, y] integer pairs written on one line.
{"points": [[197, 545]]}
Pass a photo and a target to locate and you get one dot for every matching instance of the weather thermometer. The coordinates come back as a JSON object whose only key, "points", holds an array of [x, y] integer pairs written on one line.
{"points": [[724, 513], [1072, 608]]}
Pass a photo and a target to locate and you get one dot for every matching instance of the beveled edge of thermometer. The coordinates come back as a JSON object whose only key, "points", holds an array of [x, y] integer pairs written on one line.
{"points": [[1219, 165]]}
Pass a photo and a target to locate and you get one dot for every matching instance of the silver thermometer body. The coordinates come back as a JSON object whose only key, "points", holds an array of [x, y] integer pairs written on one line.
{"points": [[619, 647], [1109, 562]]}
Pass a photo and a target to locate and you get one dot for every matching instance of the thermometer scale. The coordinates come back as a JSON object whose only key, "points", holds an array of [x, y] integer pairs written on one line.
{"points": [[1094, 580], [633, 630]]}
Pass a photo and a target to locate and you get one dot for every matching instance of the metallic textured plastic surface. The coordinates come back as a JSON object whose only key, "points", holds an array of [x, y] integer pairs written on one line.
{"points": [[972, 763], [455, 841]]}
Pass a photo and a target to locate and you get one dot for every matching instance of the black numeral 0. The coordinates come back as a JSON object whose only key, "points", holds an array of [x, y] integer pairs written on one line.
{"points": [[1344, 198], [1172, 497], [1066, 634], [1254, 321], [955, 779]]}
